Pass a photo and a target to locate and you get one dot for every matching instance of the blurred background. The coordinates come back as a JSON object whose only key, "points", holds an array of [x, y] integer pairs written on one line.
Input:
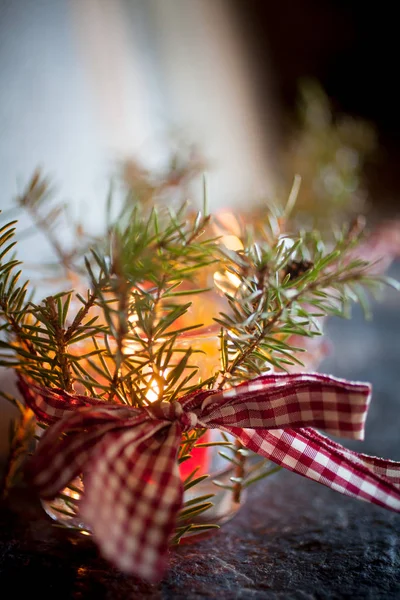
{"points": [[254, 92], [88, 83], [350, 48]]}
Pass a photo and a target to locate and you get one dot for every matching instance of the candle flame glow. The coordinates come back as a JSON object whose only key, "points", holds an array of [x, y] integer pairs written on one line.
{"points": [[232, 242], [153, 393], [226, 281]]}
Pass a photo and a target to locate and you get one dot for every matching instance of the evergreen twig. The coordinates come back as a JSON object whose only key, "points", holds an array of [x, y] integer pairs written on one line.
{"points": [[126, 341]]}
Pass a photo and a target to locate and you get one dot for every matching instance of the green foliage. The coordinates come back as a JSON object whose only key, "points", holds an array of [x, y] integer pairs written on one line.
{"points": [[330, 151], [125, 333], [285, 286]]}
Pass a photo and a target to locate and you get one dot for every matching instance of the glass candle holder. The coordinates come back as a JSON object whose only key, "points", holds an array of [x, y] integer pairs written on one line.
{"points": [[226, 467], [206, 460], [64, 509]]}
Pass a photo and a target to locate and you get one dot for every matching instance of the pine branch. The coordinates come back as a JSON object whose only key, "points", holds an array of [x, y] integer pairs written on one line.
{"points": [[80, 316], [132, 339], [36, 200], [51, 312]]}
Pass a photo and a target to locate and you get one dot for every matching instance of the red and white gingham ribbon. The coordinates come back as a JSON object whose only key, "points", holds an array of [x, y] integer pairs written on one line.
{"points": [[128, 456]]}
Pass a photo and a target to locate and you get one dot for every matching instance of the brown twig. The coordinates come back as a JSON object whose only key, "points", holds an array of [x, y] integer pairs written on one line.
{"points": [[82, 313], [239, 472], [62, 345]]}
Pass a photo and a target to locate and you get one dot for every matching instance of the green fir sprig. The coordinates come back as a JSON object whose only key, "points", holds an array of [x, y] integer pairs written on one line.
{"points": [[124, 333]]}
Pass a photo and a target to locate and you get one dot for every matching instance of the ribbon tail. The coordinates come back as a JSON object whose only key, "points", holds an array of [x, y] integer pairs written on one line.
{"points": [[133, 493], [385, 468], [308, 453]]}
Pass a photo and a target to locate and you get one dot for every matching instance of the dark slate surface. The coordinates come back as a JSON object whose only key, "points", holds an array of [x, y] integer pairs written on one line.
{"points": [[293, 539]]}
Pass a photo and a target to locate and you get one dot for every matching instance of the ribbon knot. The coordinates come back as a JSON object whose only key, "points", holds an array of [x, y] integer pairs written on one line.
{"points": [[173, 411], [128, 456]]}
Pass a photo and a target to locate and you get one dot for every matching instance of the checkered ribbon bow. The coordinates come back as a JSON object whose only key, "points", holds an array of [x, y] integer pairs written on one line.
{"points": [[128, 456]]}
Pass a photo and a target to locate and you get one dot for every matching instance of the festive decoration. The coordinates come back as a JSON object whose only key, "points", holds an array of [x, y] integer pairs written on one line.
{"points": [[127, 385], [133, 491]]}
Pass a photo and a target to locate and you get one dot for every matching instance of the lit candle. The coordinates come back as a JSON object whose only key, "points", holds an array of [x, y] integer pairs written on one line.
{"points": [[205, 341]]}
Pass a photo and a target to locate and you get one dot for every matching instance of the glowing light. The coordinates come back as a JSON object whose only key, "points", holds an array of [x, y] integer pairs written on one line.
{"points": [[233, 279], [228, 227], [229, 222], [153, 393], [227, 282], [232, 242]]}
